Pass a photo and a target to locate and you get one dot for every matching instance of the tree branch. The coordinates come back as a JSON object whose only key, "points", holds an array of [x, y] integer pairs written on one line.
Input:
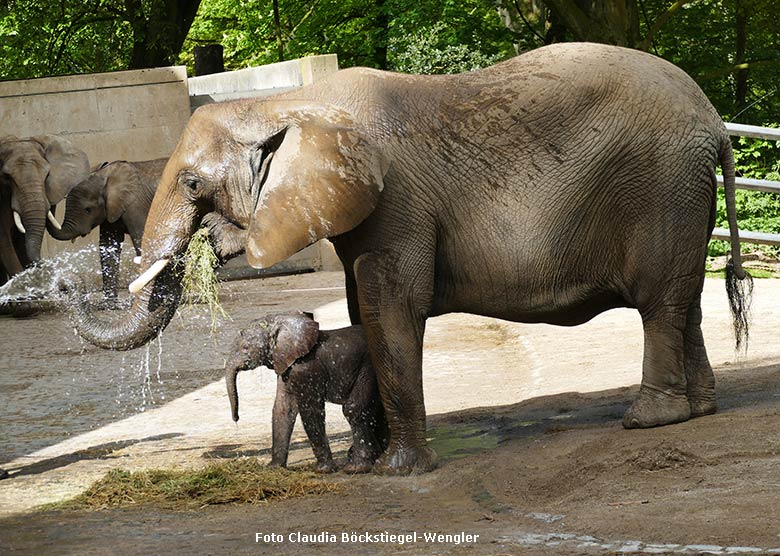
{"points": [[526, 22], [720, 72], [574, 18], [661, 21]]}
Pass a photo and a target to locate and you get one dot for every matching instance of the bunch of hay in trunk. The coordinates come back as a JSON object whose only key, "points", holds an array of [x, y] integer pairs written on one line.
{"points": [[200, 284]]}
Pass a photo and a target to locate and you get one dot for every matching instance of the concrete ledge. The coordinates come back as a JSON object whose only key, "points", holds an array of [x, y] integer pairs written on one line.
{"points": [[130, 115]]}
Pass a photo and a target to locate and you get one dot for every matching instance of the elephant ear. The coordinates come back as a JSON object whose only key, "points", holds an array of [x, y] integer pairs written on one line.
{"points": [[68, 166], [121, 185], [319, 176], [296, 336]]}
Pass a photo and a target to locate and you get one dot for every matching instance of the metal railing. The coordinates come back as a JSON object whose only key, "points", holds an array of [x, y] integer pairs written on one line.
{"points": [[766, 186]]}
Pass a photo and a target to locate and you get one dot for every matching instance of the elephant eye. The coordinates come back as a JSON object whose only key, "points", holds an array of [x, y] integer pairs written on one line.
{"points": [[189, 182]]}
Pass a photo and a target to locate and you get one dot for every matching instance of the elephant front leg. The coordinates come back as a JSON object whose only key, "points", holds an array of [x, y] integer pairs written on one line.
{"points": [[111, 236], [394, 322], [662, 396], [285, 412], [365, 416]]}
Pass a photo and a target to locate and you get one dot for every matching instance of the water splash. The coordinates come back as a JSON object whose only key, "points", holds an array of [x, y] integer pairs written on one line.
{"points": [[40, 281]]}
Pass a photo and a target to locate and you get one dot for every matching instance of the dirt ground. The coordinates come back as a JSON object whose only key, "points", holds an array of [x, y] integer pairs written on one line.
{"points": [[526, 419]]}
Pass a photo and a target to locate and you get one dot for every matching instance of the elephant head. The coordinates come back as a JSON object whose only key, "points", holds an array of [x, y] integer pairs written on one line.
{"points": [[274, 341], [36, 173], [104, 196], [289, 172]]}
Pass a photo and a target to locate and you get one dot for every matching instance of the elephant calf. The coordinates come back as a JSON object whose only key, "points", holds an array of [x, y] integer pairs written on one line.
{"points": [[312, 367], [116, 196]]}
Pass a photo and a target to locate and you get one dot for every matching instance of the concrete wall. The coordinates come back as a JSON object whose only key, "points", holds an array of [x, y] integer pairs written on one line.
{"points": [[261, 80], [125, 115], [130, 115]]}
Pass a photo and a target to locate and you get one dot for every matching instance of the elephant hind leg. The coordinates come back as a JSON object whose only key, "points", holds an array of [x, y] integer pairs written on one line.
{"points": [[366, 418], [663, 394], [700, 380]]}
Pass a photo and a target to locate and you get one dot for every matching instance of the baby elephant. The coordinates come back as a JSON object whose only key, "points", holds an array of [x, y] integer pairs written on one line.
{"points": [[314, 366]]}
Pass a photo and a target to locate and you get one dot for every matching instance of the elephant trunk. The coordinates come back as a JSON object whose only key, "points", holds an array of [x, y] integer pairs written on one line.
{"points": [[33, 209], [65, 233], [168, 230], [152, 310], [231, 371]]}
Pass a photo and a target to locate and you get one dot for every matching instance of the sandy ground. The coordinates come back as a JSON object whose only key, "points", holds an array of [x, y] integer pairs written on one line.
{"points": [[525, 417]]}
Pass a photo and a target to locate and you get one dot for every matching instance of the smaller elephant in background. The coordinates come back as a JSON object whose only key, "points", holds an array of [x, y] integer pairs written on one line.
{"points": [[116, 197], [314, 366]]}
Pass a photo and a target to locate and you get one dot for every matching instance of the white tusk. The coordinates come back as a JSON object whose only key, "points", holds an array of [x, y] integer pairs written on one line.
{"points": [[53, 220], [18, 222], [137, 260], [138, 284]]}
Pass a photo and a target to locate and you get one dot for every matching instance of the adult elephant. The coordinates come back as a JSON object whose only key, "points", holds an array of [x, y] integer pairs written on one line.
{"points": [[548, 188], [35, 173], [116, 197]]}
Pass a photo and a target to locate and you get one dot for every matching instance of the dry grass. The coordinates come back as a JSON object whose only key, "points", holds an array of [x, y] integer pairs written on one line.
{"points": [[199, 277], [236, 481]]}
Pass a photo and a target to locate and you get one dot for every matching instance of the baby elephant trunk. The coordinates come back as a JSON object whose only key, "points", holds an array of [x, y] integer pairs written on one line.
{"points": [[231, 371]]}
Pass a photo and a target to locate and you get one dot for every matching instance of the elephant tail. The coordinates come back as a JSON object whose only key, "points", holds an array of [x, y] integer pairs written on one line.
{"points": [[739, 284]]}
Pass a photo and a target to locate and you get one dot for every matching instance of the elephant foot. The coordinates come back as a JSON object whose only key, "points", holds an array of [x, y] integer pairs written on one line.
{"points": [[702, 403], [325, 467], [277, 464], [701, 396], [407, 461], [653, 408], [357, 467], [359, 462]]}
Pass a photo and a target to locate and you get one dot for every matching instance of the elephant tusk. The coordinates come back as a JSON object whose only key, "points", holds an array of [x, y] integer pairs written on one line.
{"points": [[53, 220], [138, 284], [137, 260], [18, 222]]}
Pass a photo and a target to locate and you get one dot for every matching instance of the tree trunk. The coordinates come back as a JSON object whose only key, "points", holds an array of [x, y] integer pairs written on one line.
{"points": [[382, 24], [278, 31], [741, 92], [159, 34], [604, 21], [208, 59]]}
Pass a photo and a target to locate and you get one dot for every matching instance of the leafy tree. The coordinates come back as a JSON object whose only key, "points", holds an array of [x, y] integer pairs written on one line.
{"points": [[51, 38]]}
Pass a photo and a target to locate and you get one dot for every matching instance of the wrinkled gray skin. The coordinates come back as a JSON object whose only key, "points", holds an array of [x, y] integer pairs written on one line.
{"points": [[313, 367], [35, 174], [549, 188], [116, 196]]}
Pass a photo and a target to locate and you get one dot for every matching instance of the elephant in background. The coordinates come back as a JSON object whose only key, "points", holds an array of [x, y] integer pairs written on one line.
{"points": [[116, 197], [36, 173], [554, 186], [313, 366]]}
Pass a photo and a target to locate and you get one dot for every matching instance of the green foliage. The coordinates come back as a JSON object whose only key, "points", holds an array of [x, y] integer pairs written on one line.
{"points": [[756, 211], [429, 51], [373, 33], [38, 38]]}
